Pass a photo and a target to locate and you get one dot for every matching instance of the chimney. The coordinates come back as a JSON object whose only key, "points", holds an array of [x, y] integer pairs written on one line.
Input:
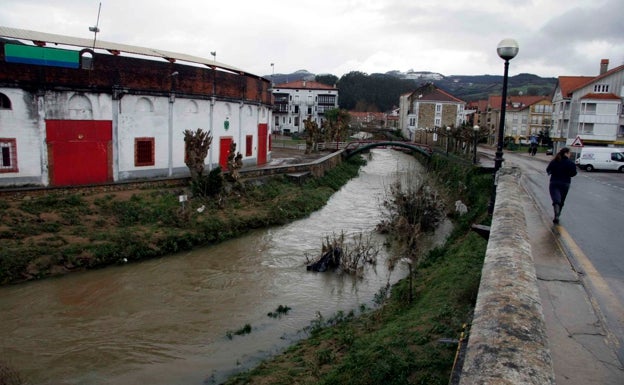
{"points": [[604, 66]]}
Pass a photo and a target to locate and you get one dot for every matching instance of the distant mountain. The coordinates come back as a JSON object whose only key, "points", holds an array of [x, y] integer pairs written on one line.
{"points": [[480, 87], [381, 92], [292, 77]]}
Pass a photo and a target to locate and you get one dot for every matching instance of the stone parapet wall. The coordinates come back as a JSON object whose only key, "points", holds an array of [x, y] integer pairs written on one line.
{"points": [[318, 168], [508, 342]]}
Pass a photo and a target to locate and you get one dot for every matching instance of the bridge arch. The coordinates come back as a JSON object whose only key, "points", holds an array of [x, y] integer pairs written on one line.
{"points": [[361, 147]]}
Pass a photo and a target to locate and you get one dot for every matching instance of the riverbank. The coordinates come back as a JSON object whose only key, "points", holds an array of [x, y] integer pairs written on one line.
{"points": [[58, 234], [412, 338]]}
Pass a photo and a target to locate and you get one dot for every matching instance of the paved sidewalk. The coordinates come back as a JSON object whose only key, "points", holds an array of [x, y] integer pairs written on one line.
{"points": [[578, 342]]}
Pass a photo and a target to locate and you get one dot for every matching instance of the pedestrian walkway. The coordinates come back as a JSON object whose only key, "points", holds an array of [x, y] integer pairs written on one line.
{"points": [[578, 342], [581, 349]]}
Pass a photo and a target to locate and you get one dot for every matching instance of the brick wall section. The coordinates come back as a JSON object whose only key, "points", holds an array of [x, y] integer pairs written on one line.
{"points": [[136, 75], [508, 341]]}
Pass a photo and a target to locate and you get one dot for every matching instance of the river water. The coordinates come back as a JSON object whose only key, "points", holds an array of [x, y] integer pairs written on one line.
{"points": [[167, 320]]}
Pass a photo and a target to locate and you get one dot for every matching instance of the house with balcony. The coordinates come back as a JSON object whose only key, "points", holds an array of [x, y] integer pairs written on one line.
{"points": [[525, 115], [590, 107], [297, 101], [427, 109]]}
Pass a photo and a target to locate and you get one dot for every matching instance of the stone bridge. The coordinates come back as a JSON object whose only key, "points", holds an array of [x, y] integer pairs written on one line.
{"points": [[361, 146]]}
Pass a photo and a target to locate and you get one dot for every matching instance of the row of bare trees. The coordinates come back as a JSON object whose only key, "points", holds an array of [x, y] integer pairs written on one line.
{"points": [[334, 128]]}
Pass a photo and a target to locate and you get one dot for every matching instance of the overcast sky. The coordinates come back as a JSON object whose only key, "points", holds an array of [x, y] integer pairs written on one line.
{"points": [[452, 37]]}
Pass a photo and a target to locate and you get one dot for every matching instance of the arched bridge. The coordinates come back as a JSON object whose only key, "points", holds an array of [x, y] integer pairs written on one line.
{"points": [[359, 146]]}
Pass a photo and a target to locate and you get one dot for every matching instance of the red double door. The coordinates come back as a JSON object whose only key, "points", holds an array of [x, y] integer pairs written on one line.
{"points": [[226, 141], [79, 151]]}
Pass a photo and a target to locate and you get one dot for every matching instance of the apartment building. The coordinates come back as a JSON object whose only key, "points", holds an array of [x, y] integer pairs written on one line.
{"points": [[297, 101], [524, 116], [590, 107], [429, 108]]}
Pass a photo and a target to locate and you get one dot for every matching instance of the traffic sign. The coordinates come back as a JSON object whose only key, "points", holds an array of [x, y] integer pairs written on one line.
{"points": [[577, 142]]}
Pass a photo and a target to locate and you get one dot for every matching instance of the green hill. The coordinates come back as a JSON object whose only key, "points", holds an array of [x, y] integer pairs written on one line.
{"points": [[380, 92]]}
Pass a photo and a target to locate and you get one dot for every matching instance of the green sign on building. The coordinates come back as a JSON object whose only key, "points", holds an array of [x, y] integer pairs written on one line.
{"points": [[52, 57]]}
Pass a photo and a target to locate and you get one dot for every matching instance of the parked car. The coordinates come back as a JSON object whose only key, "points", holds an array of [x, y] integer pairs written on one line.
{"points": [[601, 158], [549, 151]]}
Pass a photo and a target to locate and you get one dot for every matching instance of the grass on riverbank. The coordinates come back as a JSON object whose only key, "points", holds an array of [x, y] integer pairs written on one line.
{"points": [[56, 234], [399, 342]]}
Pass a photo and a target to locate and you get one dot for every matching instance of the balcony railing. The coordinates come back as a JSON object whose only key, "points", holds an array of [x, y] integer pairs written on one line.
{"points": [[280, 107], [322, 109]]}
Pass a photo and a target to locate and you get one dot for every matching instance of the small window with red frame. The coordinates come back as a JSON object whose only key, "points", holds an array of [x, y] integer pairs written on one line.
{"points": [[143, 152], [8, 155], [248, 145]]}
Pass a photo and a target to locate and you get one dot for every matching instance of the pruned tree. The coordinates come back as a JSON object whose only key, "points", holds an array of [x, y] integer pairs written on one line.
{"points": [[336, 125], [235, 162], [196, 143], [313, 135]]}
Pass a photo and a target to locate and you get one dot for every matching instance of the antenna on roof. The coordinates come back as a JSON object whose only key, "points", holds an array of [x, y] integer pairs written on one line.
{"points": [[95, 29]]}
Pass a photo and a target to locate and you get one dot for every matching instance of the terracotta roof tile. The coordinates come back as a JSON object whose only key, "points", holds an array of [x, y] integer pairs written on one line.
{"points": [[524, 101], [570, 83], [609, 96], [432, 93]]}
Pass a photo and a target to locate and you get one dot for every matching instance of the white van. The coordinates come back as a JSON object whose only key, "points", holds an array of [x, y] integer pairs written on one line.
{"points": [[601, 158]]}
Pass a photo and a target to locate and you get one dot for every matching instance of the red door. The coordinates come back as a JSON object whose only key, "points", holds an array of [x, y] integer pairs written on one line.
{"points": [[79, 151], [263, 131], [224, 151]]}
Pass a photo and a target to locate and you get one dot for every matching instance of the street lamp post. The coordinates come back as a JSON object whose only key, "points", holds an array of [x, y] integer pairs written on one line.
{"points": [[507, 49], [475, 130], [448, 138]]}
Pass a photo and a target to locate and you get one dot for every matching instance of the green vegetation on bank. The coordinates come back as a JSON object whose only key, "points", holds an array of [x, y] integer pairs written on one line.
{"points": [[399, 343], [56, 234]]}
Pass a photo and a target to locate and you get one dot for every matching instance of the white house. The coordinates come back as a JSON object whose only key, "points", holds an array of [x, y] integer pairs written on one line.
{"points": [[590, 107], [297, 101]]}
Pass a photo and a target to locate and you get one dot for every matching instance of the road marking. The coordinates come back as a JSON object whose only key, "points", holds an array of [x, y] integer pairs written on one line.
{"points": [[598, 284]]}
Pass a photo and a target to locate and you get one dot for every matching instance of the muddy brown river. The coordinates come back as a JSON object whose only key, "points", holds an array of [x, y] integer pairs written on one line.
{"points": [[167, 320]]}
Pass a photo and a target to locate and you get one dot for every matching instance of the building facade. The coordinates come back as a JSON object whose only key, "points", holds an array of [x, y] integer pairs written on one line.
{"points": [[297, 101], [91, 115], [429, 108], [524, 116], [590, 108]]}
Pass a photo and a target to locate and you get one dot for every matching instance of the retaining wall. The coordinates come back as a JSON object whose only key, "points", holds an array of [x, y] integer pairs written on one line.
{"points": [[318, 168], [508, 342]]}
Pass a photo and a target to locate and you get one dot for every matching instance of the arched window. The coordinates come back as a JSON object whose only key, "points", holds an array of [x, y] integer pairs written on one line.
{"points": [[86, 59], [144, 105], [192, 107], [80, 108], [5, 102]]}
